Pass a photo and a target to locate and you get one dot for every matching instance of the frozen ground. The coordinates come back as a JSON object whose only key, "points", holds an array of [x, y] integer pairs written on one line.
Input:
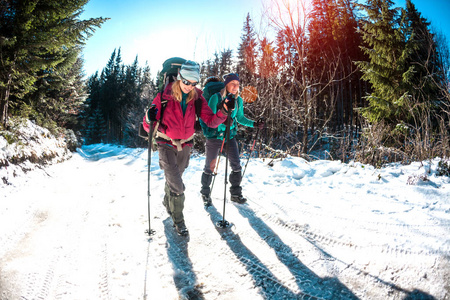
{"points": [[319, 230]]}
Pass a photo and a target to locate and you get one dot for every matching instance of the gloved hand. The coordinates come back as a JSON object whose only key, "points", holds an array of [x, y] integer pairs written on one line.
{"points": [[260, 123], [151, 114], [231, 103], [228, 103]]}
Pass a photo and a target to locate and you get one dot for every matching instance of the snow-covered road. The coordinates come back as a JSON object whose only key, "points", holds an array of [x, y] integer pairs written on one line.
{"points": [[321, 230]]}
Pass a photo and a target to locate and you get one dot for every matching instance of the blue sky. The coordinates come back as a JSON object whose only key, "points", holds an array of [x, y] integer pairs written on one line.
{"points": [[155, 30], [436, 11]]}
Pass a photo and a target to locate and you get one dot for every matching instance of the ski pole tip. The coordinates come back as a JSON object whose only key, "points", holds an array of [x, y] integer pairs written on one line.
{"points": [[150, 232]]}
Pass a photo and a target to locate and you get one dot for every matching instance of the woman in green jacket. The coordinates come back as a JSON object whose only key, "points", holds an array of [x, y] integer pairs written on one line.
{"points": [[215, 137]]}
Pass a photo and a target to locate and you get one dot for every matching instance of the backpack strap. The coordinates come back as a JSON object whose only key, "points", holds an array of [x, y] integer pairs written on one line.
{"points": [[161, 114], [198, 107], [163, 106]]}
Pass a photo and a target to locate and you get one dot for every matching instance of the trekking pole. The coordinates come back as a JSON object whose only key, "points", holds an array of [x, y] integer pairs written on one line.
{"points": [[250, 154], [150, 231], [223, 223], [216, 167]]}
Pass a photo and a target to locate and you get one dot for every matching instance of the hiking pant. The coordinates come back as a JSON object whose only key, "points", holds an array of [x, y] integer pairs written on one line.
{"points": [[212, 148], [174, 163]]}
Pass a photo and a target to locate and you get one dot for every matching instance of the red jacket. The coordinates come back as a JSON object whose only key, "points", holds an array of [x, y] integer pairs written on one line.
{"points": [[177, 126]]}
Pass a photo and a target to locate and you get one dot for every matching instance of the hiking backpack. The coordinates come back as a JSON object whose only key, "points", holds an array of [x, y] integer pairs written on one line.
{"points": [[213, 85], [168, 74]]}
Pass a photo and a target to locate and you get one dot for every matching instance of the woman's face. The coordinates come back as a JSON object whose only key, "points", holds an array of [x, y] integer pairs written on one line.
{"points": [[187, 85], [233, 87]]}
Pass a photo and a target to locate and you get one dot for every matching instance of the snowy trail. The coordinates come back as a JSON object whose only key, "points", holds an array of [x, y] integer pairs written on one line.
{"points": [[78, 233]]}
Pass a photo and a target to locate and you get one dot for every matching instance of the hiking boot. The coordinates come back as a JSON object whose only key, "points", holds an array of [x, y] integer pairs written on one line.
{"points": [[207, 200], [181, 228], [238, 199], [176, 205]]}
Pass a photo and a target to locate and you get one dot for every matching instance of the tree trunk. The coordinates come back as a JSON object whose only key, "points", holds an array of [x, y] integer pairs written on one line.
{"points": [[4, 103]]}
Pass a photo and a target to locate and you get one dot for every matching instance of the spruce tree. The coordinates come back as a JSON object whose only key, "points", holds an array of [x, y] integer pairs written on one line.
{"points": [[267, 67], [117, 102], [35, 38], [247, 52], [404, 67], [426, 74], [225, 64], [387, 65], [112, 96], [333, 46]]}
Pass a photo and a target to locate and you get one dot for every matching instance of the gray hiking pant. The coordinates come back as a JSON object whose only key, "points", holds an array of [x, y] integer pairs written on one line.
{"points": [[212, 148], [174, 163]]}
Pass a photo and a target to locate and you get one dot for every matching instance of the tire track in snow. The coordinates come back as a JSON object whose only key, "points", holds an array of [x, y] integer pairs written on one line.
{"points": [[11, 238], [308, 285], [104, 274], [40, 285], [58, 262], [337, 265], [313, 236]]}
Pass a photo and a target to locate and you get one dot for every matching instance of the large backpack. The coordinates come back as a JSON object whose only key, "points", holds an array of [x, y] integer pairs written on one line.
{"points": [[213, 85], [168, 74]]}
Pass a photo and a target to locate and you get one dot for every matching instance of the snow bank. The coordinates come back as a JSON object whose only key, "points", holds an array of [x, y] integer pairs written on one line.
{"points": [[27, 146]]}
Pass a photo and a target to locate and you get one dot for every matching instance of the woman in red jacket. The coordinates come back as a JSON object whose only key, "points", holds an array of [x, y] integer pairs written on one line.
{"points": [[175, 132]]}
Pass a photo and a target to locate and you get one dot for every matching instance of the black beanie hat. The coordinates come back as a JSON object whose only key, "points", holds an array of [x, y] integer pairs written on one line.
{"points": [[230, 77]]}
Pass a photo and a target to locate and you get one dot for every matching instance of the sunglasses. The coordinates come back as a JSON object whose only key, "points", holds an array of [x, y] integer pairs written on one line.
{"points": [[187, 82]]}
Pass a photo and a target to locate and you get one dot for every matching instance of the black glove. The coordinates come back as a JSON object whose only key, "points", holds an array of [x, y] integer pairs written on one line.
{"points": [[151, 114], [231, 103], [260, 123], [228, 103]]}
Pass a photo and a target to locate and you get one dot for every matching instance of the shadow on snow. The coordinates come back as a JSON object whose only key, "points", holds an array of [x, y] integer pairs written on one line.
{"points": [[307, 280], [177, 250], [331, 287]]}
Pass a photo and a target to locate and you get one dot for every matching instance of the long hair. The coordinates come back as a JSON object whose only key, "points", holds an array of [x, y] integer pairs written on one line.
{"points": [[224, 92], [177, 94]]}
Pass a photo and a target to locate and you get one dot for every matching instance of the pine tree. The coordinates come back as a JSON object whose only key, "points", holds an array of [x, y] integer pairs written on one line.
{"points": [[211, 67], [59, 93], [96, 128], [35, 38], [131, 103], [426, 74], [333, 46], [282, 57], [247, 52], [147, 86], [404, 63], [267, 67], [117, 101], [225, 64], [387, 65], [112, 96]]}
